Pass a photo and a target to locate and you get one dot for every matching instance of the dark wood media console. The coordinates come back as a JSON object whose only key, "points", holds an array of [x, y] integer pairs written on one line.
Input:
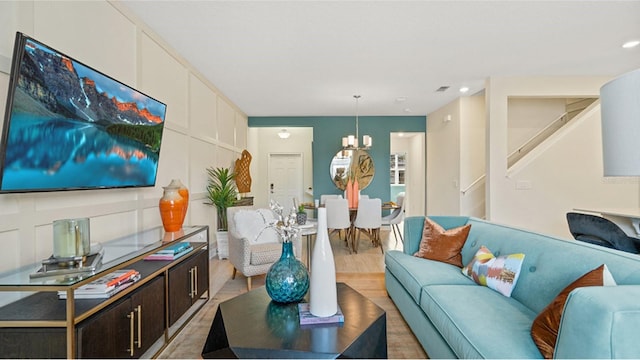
{"points": [[136, 322]]}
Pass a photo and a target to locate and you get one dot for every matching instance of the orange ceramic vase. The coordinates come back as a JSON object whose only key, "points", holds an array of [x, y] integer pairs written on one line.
{"points": [[349, 190], [355, 192], [171, 209], [184, 193]]}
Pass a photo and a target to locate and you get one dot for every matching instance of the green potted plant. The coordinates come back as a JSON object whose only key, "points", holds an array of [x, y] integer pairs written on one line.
{"points": [[222, 193], [301, 216]]}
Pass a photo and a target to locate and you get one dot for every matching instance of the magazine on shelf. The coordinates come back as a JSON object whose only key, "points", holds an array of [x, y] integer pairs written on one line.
{"points": [[175, 248], [307, 318], [89, 291], [164, 256], [108, 281]]}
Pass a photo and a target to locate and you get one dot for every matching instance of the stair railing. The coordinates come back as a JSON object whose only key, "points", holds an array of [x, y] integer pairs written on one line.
{"points": [[473, 185], [538, 138]]}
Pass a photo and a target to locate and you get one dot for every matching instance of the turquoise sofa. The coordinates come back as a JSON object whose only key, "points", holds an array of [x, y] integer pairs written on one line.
{"points": [[453, 317]]}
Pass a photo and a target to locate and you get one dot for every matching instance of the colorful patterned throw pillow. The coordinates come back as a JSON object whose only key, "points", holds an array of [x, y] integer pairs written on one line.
{"points": [[498, 273]]}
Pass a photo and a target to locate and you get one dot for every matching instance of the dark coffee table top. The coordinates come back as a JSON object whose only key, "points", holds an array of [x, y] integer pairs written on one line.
{"points": [[252, 326]]}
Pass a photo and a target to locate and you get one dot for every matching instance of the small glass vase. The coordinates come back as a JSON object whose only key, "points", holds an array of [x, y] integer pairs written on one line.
{"points": [[288, 279]]}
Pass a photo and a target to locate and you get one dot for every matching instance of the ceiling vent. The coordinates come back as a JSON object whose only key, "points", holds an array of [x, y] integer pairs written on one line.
{"points": [[442, 89]]}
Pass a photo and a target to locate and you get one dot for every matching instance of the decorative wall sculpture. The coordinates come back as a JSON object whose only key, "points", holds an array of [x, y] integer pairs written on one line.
{"points": [[243, 177]]}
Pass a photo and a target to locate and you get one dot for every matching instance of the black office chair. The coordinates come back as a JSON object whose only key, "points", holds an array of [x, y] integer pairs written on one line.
{"points": [[600, 231]]}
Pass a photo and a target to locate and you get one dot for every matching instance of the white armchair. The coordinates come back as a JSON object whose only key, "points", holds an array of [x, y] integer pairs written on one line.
{"points": [[253, 245]]}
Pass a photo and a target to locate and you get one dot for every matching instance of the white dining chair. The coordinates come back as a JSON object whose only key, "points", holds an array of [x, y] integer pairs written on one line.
{"points": [[360, 195], [395, 218], [368, 220], [338, 216], [323, 198]]}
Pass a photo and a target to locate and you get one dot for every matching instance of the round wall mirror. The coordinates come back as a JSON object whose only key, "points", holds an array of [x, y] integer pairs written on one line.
{"points": [[357, 162]]}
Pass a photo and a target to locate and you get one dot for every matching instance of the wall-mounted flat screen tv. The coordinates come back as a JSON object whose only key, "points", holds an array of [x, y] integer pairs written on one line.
{"points": [[68, 126]]}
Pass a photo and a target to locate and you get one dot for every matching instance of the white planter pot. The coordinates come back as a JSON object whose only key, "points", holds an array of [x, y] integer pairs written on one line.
{"points": [[222, 239]]}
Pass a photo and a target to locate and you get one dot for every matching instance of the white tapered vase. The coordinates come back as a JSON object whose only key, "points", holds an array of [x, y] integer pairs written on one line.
{"points": [[323, 294]]}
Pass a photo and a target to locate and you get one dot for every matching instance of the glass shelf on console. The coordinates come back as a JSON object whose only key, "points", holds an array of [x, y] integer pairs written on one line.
{"points": [[115, 253]]}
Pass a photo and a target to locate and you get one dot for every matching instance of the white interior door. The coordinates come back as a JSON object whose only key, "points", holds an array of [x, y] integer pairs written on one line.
{"points": [[285, 179]]}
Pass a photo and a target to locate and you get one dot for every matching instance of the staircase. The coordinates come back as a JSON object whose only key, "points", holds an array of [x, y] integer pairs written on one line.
{"points": [[473, 196], [572, 108]]}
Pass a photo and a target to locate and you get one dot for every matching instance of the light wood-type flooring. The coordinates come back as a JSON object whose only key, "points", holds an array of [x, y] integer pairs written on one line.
{"points": [[363, 271]]}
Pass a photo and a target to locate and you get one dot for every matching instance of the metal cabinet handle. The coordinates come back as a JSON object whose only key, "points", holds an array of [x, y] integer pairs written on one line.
{"points": [[139, 310], [131, 326], [191, 283], [195, 281]]}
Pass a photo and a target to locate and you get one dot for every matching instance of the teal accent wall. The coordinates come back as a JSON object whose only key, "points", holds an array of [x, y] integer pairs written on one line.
{"points": [[327, 141]]}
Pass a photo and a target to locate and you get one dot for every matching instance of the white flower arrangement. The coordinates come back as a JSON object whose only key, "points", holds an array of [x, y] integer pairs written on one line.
{"points": [[286, 226]]}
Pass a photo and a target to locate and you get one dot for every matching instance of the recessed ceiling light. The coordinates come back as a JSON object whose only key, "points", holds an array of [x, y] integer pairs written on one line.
{"points": [[401, 99], [630, 44], [464, 89], [407, 110]]}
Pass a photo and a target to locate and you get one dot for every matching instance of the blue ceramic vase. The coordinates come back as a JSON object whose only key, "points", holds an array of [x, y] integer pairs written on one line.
{"points": [[288, 279]]}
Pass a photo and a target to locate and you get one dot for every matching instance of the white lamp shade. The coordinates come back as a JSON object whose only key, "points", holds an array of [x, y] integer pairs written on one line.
{"points": [[366, 141], [620, 113]]}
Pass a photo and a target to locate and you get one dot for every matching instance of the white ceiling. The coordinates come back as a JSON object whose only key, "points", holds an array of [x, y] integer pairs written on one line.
{"points": [[308, 58]]}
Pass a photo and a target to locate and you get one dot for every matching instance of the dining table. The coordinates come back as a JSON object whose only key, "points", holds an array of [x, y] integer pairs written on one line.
{"points": [[353, 213]]}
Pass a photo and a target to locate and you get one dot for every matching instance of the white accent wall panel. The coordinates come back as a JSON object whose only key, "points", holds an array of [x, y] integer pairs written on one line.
{"points": [[92, 32], [242, 124], [164, 78], [174, 163], [226, 122], [43, 244], [103, 229], [206, 157], [225, 157], [202, 110], [11, 259]]}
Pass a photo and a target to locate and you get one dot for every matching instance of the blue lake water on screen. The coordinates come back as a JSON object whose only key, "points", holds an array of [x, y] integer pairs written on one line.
{"points": [[52, 153]]}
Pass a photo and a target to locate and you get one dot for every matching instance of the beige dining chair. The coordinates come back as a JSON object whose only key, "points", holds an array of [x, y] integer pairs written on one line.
{"points": [[368, 220]]}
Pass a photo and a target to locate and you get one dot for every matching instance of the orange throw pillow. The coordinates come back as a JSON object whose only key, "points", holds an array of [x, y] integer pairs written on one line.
{"points": [[442, 245], [544, 329]]}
